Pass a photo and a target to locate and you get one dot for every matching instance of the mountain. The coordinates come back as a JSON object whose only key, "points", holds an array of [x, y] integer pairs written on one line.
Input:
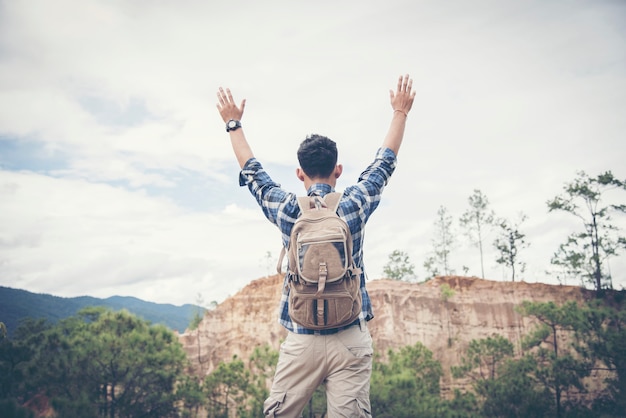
{"points": [[16, 304]]}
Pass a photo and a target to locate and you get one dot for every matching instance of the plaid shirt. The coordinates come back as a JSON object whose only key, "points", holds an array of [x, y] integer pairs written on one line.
{"points": [[356, 205]]}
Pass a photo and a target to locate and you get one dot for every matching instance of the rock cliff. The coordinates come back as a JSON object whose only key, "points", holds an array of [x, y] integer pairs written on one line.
{"points": [[405, 313]]}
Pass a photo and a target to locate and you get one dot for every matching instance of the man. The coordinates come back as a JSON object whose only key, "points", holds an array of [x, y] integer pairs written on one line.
{"points": [[340, 358]]}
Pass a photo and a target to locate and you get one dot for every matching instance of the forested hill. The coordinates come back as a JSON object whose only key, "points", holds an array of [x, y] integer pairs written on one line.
{"points": [[16, 304]]}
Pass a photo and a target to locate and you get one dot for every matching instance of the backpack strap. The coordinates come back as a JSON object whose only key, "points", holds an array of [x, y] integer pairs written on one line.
{"points": [[307, 203], [279, 266], [331, 201]]}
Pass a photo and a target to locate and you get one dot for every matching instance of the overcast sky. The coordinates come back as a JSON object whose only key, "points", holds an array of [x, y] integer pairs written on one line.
{"points": [[117, 177]]}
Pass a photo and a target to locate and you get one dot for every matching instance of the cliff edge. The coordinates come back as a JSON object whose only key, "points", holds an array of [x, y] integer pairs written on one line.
{"points": [[444, 314]]}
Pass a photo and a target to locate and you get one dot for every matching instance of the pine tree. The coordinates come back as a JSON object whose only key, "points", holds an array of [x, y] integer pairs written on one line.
{"points": [[584, 253], [476, 220]]}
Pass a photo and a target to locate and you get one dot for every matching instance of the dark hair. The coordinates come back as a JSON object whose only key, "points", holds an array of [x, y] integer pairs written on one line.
{"points": [[317, 155]]}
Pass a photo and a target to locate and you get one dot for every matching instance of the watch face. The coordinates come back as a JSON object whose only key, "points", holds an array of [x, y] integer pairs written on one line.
{"points": [[232, 123]]}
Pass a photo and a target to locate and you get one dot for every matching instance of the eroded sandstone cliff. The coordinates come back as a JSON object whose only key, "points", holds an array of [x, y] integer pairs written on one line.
{"points": [[405, 313]]}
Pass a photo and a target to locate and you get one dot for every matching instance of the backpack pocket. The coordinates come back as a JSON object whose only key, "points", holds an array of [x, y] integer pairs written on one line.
{"points": [[314, 249], [337, 306]]}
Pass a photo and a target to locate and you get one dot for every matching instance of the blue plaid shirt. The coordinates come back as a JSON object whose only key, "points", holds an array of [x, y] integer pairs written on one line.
{"points": [[355, 207]]}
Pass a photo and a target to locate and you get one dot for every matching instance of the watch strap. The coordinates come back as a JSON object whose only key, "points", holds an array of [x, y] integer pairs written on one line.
{"points": [[236, 125]]}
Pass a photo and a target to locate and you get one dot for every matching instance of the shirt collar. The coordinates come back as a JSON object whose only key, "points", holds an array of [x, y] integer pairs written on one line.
{"points": [[319, 189]]}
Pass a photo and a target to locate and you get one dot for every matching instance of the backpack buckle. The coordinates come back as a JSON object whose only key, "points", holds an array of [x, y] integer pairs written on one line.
{"points": [[323, 273], [323, 269], [292, 277]]}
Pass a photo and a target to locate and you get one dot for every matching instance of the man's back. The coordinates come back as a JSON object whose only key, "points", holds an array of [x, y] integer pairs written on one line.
{"points": [[356, 205], [339, 358]]}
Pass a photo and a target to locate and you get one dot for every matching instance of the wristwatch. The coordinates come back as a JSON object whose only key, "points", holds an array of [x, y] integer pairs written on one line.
{"points": [[233, 125]]}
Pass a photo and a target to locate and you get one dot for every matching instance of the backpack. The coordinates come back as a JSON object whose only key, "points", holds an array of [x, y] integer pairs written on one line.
{"points": [[324, 282]]}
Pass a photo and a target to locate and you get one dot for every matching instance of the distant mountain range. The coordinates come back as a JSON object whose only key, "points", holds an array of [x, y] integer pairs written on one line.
{"points": [[16, 304]]}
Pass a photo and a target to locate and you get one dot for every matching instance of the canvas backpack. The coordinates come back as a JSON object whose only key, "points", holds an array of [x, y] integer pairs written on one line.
{"points": [[324, 282]]}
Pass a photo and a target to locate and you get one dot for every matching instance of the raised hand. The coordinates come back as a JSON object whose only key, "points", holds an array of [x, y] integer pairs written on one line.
{"points": [[227, 107], [402, 99]]}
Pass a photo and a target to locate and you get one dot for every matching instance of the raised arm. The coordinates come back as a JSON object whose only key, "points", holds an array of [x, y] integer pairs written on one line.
{"points": [[401, 102], [229, 111]]}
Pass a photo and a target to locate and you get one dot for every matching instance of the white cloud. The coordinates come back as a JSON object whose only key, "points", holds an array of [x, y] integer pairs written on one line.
{"points": [[513, 99], [71, 237]]}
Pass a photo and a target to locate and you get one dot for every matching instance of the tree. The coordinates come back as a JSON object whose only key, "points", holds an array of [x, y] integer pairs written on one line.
{"points": [[557, 368], [509, 243], [109, 364], [189, 390], [446, 292], [398, 267], [226, 388], [502, 383], [13, 356], [515, 392], [603, 340], [16, 355], [199, 312], [407, 385], [483, 358], [475, 220], [584, 253], [262, 366], [442, 245], [10, 409]]}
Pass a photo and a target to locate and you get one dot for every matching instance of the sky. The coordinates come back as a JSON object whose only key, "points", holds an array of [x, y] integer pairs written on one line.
{"points": [[117, 176]]}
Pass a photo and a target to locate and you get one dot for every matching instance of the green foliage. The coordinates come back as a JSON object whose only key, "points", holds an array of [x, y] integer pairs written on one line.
{"points": [[262, 365], [500, 382], [509, 243], [514, 392], [484, 357], [99, 363], [476, 219], [407, 385], [584, 253], [569, 342], [226, 387], [233, 386], [446, 292], [113, 364], [195, 321], [198, 314], [189, 390], [603, 340], [317, 405], [557, 368], [16, 355], [399, 267], [10, 409]]}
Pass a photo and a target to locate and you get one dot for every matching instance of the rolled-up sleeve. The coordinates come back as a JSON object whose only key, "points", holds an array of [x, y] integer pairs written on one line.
{"points": [[376, 175], [372, 181], [268, 194]]}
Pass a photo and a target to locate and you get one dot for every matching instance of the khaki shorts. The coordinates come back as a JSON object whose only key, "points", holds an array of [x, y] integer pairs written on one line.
{"points": [[342, 362]]}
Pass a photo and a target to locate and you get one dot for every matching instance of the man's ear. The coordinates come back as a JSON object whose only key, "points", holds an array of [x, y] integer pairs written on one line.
{"points": [[338, 170], [300, 173]]}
